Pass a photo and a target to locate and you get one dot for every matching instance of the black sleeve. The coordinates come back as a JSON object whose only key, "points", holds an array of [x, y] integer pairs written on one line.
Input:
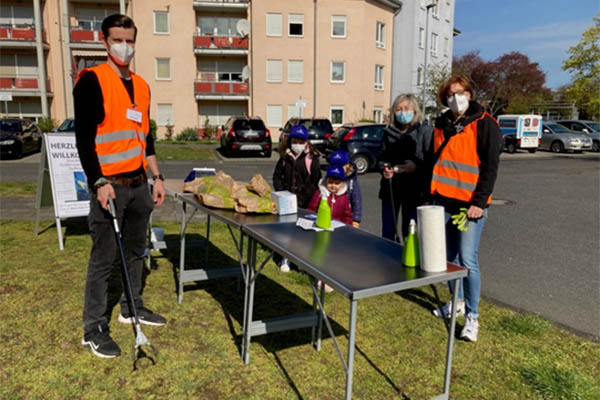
{"points": [[150, 151], [279, 175], [488, 150], [89, 113], [385, 151]]}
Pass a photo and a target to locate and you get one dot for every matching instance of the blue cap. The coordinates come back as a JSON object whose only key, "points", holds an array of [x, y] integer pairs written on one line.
{"points": [[339, 157], [299, 131], [336, 171]]}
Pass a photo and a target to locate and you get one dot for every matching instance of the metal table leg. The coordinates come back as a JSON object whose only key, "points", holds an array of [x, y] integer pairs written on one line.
{"points": [[351, 342], [182, 251], [251, 271]]}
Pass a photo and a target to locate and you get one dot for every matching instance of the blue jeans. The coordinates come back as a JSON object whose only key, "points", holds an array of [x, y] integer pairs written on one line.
{"points": [[462, 248]]}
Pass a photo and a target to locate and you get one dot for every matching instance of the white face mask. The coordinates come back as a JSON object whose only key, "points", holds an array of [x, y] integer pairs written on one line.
{"points": [[122, 52], [458, 103], [298, 148]]}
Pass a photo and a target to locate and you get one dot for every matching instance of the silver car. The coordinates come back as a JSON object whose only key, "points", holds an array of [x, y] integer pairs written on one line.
{"points": [[590, 128], [558, 139]]}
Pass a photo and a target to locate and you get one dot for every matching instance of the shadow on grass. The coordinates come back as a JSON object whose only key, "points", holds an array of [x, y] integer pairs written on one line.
{"points": [[73, 227]]}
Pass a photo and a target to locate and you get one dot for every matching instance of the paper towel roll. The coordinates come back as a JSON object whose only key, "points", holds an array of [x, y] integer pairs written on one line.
{"points": [[432, 238]]}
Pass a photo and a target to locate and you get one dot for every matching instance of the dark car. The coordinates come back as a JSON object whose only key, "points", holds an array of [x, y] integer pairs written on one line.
{"points": [[361, 141], [245, 135], [319, 130], [589, 128], [19, 136], [68, 125]]}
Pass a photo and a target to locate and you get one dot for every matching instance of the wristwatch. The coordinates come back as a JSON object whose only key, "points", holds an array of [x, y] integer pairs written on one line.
{"points": [[100, 182], [158, 177]]}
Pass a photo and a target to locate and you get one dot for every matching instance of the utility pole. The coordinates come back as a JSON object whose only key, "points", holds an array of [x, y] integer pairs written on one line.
{"points": [[427, 8]]}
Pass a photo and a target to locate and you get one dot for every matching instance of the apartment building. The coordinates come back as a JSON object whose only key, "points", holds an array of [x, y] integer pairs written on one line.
{"points": [[210, 59]]}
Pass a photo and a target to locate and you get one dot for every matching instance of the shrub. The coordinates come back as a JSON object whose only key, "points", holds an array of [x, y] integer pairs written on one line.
{"points": [[47, 124], [153, 128], [188, 134]]}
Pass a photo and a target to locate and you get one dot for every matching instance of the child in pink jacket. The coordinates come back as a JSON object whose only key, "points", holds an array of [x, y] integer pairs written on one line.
{"points": [[334, 183]]}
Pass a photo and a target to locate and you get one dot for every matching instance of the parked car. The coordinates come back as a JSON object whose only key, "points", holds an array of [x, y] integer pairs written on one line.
{"points": [[361, 141], [591, 128], [245, 135], [558, 139], [319, 130], [19, 136], [68, 125]]}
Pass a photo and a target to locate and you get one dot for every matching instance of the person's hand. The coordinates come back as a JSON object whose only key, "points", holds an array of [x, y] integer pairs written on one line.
{"points": [[407, 167], [474, 212], [355, 224], [158, 193], [103, 193], [388, 172]]}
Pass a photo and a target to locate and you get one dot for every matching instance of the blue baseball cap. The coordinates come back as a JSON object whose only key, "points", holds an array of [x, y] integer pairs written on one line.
{"points": [[336, 171], [339, 157], [299, 131]]}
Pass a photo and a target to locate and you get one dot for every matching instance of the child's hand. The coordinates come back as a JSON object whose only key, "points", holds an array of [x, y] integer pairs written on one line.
{"points": [[355, 224]]}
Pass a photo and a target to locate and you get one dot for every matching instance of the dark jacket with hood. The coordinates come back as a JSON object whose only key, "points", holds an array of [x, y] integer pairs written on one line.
{"points": [[338, 202], [292, 175], [354, 194]]}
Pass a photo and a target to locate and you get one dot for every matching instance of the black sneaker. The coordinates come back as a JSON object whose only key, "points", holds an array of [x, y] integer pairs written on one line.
{"points": [[101, 343], [146, 317]]}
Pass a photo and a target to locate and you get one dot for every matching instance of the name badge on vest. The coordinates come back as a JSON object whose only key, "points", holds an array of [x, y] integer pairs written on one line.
{"points": [[133, 115]]}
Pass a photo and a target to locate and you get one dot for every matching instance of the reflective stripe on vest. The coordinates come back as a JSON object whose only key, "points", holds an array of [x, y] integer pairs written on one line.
{"points": [[121, 142]]}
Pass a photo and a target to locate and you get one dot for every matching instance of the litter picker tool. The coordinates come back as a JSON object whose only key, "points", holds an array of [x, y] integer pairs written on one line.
{"points": [[140, 338]]}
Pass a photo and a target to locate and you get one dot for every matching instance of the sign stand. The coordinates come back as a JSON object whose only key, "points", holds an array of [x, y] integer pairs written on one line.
{"points": [[61, 181]]}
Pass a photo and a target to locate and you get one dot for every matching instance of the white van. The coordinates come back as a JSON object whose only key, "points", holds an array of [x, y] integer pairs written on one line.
{"points": [[521, 131]]}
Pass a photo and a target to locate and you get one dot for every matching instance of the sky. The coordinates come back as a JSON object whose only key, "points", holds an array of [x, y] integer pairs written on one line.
{"points": [[543, 30]]}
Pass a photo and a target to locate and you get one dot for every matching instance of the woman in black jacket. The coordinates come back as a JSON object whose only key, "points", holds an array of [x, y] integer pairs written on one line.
{"points": [[403, 181]]}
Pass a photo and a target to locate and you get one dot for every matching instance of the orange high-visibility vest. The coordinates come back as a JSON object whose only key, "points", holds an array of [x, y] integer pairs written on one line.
{"points": [[456, 172], [120, 141]]}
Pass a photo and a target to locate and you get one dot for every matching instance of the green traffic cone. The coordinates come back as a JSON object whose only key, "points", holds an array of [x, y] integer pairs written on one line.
{"points": [[410, 253]]}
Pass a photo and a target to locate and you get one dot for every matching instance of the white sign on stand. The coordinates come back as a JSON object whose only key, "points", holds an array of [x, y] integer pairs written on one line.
{"points": [[60, 165]]}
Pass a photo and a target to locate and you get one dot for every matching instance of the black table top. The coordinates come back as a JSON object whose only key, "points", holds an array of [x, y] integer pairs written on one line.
{"points": [[356, 263]]}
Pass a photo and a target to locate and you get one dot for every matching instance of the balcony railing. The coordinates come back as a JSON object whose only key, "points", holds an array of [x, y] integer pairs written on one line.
{"points": [[20, 34], [202, 87], [25, 84], [220, 42], [221, 5], [87, 36]]}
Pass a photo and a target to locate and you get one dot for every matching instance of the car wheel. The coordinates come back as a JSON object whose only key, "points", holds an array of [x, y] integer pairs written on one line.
{"points": [[596, 146], [361, 162], [557, 147], [268, 153], [511, 148], [531, 150]]}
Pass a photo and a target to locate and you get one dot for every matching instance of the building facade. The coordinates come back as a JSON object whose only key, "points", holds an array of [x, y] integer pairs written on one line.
{"points": [[208, 60]]}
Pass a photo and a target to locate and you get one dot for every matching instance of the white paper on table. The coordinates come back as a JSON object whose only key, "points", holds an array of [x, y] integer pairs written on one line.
{"points": [[308, 224]]}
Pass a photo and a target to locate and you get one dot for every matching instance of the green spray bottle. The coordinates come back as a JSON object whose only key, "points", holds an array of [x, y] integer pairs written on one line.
{"points": [[410, 254], [324, 212]]}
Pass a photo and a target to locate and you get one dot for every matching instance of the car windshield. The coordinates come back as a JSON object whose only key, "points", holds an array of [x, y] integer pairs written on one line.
{"points": [[10, 126], [67, 125], [318, 124], [557, 128], [244, 124], [594, 125], [340, 131]]}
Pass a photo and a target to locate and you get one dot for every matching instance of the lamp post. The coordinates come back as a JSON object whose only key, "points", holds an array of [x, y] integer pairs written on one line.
{"points": [[427, 8]]}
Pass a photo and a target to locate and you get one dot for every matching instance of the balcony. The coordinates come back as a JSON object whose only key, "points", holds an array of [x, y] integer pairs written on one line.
{"points": [[221, 5], [220, 45], [20, 37], [26, 86], [206, 90], [86, 39]]}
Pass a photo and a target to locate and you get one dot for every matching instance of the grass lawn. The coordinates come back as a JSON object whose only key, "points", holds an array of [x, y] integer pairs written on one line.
{"points": [[183, 151], [18, 189], [400, 344]]}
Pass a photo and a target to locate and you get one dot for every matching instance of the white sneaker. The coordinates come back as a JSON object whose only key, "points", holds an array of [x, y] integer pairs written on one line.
{"points": [[444, 311], [469, 332], [285, 265]]}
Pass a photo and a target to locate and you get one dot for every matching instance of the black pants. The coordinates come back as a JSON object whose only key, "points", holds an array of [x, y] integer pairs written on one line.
{"points": [[134, 206]]}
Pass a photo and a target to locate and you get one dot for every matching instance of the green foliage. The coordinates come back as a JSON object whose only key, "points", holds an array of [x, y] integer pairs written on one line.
{"points": [[584, 65], [557, 382], [183, 152], [436, 75], [153, 128], [366, 120], [47, 124], [17, 189], [209, 131], [528, 325], [188, 134]]}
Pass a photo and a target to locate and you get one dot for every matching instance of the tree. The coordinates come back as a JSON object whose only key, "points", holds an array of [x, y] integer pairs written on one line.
{"points": [[584, 66], [436, 75]]}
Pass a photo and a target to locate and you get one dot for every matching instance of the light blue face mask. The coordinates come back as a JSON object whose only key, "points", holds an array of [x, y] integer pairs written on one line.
{"points": [[404, 117]]}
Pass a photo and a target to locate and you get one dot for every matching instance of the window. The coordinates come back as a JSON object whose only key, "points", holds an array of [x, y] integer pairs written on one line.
{"points": [[164, 114], [420, 76], [448, 11], [274, 117], [379, 77], [296, 25], [446, 47], [434, 44], [338, 26], [336, 115], [380, 35], [377, 114], [295, 71], [218, 26], [161, 22], [338, 71], [422, 4], [163, 68], [274, 71], [421, 37], [218, 113], [91, 18], [16, 15], [220, 70], [435, 11], [274, 23], [293, 111]]}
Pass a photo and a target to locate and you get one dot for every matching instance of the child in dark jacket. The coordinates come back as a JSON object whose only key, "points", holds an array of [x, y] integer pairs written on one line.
{"points": [[340, 157], [334, 183]]}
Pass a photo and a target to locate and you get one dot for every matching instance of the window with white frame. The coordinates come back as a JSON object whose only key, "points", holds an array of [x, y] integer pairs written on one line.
{"points": [[377, 114], [293, 111], [161, 22], [164, 114], [434, 44], [421, 37], [274, 71], [274, 117], [338, 26], [338, 71], [274, 24], [446, 47], [91, 18], [296, 25], [448, 11], [295, 71], [18, 65], [336, 115], [419, 76], [217, 26], [163, 68], [16, 15], [422, 3], [379, 77], [435, 11], [220, 70], [380, 35]]}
